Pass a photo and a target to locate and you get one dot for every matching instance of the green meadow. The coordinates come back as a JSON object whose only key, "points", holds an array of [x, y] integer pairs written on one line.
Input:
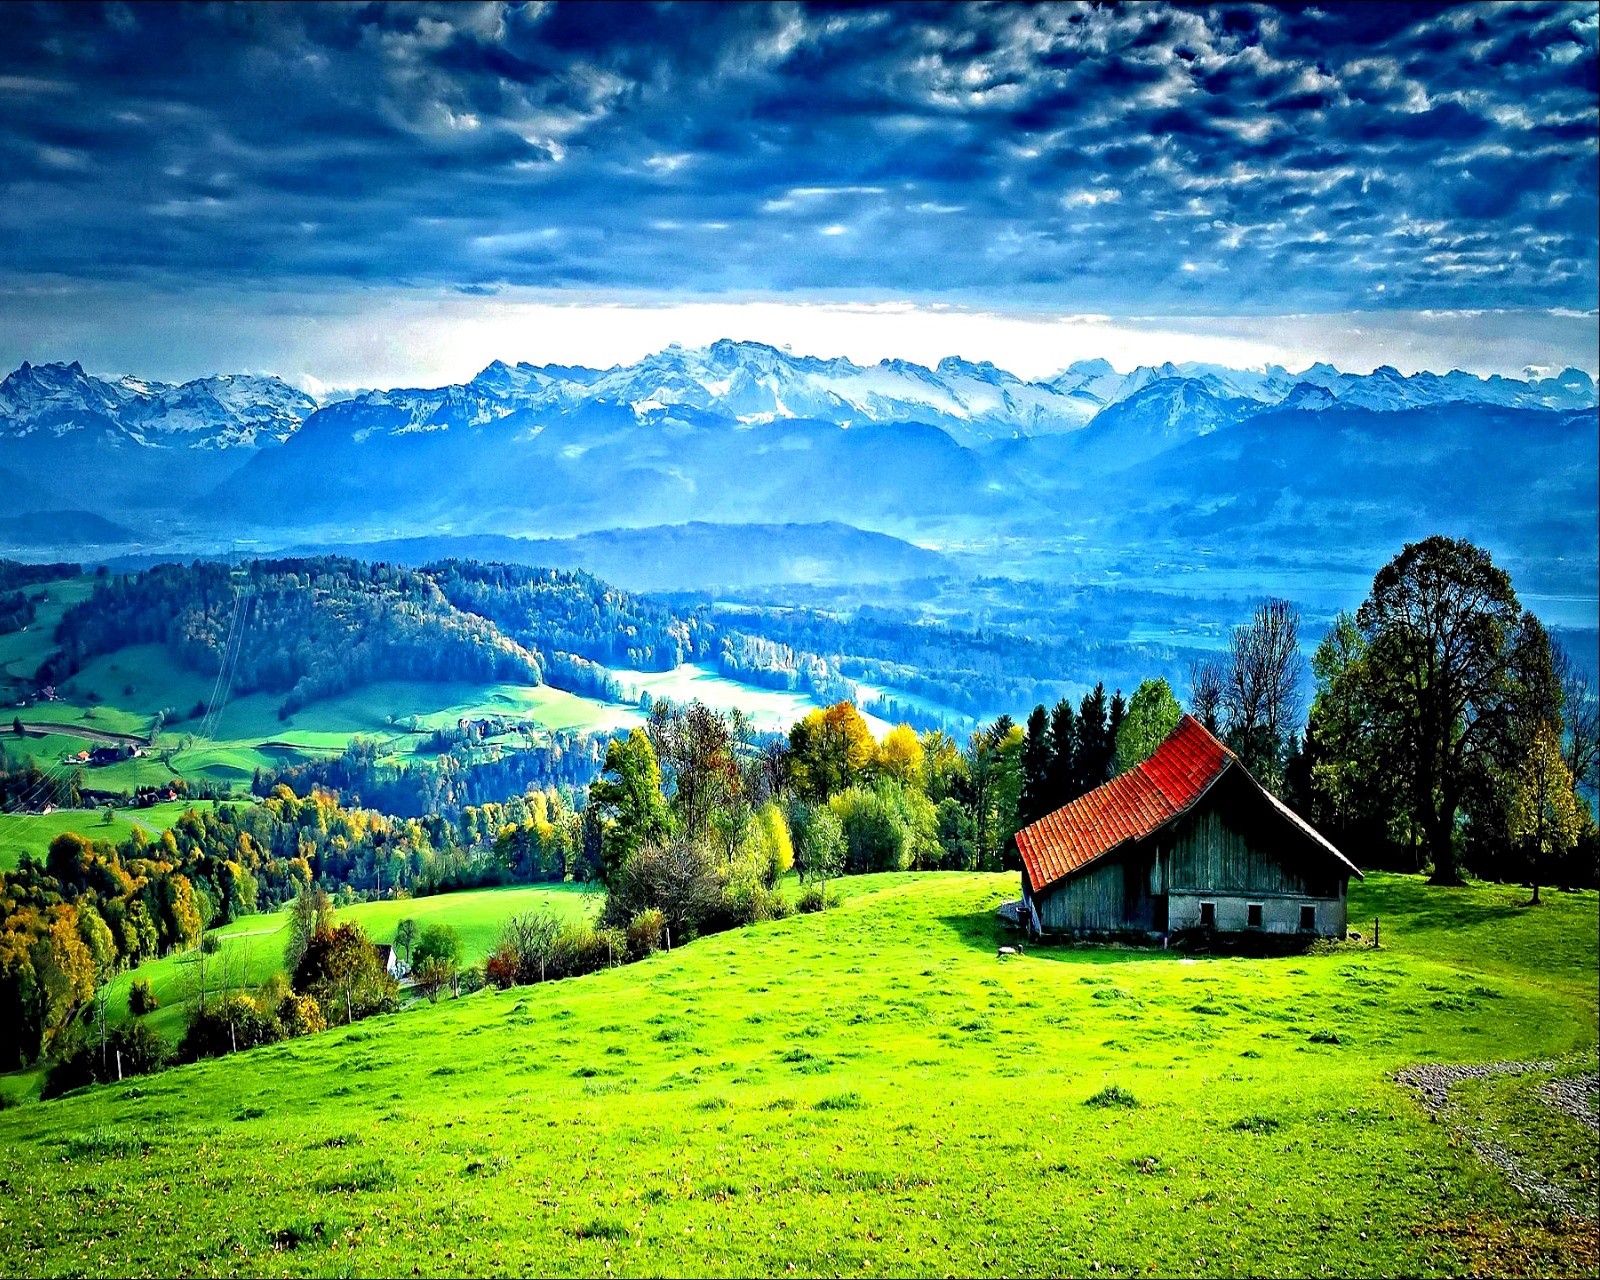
{"points": [[867, 1091], [250, 950], [22, 833]]}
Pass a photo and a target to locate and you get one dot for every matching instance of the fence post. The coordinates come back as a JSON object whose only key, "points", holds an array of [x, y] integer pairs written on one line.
{"points": [[1374, 933]]}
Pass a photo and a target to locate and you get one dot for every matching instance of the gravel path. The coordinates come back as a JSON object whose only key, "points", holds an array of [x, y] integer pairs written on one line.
{"points": [[1575, 1095], [1578, 1096]]}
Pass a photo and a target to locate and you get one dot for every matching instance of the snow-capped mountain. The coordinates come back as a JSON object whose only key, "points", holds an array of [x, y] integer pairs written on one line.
{"points": [[976, 403], [226, 412], [747, 383]]}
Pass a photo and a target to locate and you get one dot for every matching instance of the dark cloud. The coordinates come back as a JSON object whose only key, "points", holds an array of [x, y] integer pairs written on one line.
{"points": [[1235, 157]]}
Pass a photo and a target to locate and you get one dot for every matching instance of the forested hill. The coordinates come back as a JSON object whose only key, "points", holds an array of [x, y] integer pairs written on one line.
{"points": [[317, 627]]}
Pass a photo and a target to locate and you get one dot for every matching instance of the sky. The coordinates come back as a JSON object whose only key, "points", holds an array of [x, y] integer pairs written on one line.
{"points": [[379, 194]]}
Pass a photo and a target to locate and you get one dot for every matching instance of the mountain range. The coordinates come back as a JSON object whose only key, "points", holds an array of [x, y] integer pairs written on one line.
{"points": [[962, 457]]}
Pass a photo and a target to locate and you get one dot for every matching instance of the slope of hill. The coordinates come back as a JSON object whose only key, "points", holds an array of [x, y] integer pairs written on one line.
{"points": [[863, 1092], [684, 557]]}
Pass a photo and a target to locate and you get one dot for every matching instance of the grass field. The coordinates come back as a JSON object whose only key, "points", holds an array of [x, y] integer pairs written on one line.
{"points": [[21, 652], [32, 833], [252, 948], [864, 1092]]}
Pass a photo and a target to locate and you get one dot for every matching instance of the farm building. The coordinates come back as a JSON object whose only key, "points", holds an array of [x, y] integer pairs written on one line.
{"points": [[1188, 840]]}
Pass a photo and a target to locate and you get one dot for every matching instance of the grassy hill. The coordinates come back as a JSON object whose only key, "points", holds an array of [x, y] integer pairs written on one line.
{"points": [[251, 949], [22, 833], [122, 691], [868, 1091]]}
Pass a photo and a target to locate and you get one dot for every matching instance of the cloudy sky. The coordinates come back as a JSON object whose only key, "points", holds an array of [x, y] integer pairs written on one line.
{"points": [[369, 194]]}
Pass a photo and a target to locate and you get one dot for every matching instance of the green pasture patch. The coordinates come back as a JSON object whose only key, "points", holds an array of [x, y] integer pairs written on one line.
{"points": [[911, 1154], [21, 652], [251, 948], [32, 832]]}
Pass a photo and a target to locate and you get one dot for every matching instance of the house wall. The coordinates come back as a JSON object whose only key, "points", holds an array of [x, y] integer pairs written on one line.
{"points": [[1090, 902], [1232, 849], [1278, 914]]}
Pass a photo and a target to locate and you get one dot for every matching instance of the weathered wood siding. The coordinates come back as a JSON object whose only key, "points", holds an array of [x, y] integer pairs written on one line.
{"points": [[1087, 903], [1231, 850], [1212, 850]]}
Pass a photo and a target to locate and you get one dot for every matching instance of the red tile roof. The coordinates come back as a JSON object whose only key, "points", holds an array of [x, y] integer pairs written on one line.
{"points": [[1135, 805]]}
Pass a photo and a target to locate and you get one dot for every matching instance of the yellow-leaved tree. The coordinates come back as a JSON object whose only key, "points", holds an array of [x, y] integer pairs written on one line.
{"points": [[1544, 816]]}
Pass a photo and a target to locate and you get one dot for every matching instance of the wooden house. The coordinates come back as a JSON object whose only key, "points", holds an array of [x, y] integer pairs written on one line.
{"points": [[1186, 841]]}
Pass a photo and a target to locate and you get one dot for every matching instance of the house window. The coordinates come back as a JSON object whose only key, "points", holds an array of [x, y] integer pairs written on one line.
{"points": [[1255, 915], [1208, 915], [1308, 919]]}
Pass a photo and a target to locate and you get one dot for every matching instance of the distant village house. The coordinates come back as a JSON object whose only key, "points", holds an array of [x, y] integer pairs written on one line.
{"points": [[1186, 841]]}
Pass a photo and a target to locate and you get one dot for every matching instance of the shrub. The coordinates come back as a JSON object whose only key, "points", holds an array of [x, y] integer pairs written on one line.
{"points": [[1113, 1095], [210, 944], [679, 878], [301, 1016], [745, 904], [141, 998], [615, 943], [644, 932], [816, 897], [229, 1024], [581, 948], [431, 976], [142, 1051], [500, 967], [471, 979]]}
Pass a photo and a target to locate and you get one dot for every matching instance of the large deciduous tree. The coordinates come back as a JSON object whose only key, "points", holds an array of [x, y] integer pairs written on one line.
{"points": [[1433, 681], [829, 751], [1260, 688]]}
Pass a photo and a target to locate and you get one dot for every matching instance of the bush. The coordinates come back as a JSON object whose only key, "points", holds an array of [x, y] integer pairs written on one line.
{"points": [[142, 1051], [644, 932], [579, 949], [500, 968], [816, 897], [615, 943], [431, 976], [746, 904], [1113, 1095], [141, 998], [471, 979], [232, 1023], [680, 879], [301, 1016], [210, 944]]}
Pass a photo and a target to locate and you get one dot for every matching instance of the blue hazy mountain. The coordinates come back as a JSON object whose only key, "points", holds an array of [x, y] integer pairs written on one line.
{"points": [[960, 454]]}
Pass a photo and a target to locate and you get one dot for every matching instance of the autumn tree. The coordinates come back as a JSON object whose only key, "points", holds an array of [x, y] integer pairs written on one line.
{"points": [[1544, 816], [309, 913], [698, 753], [830, 750], [627, 798]]}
